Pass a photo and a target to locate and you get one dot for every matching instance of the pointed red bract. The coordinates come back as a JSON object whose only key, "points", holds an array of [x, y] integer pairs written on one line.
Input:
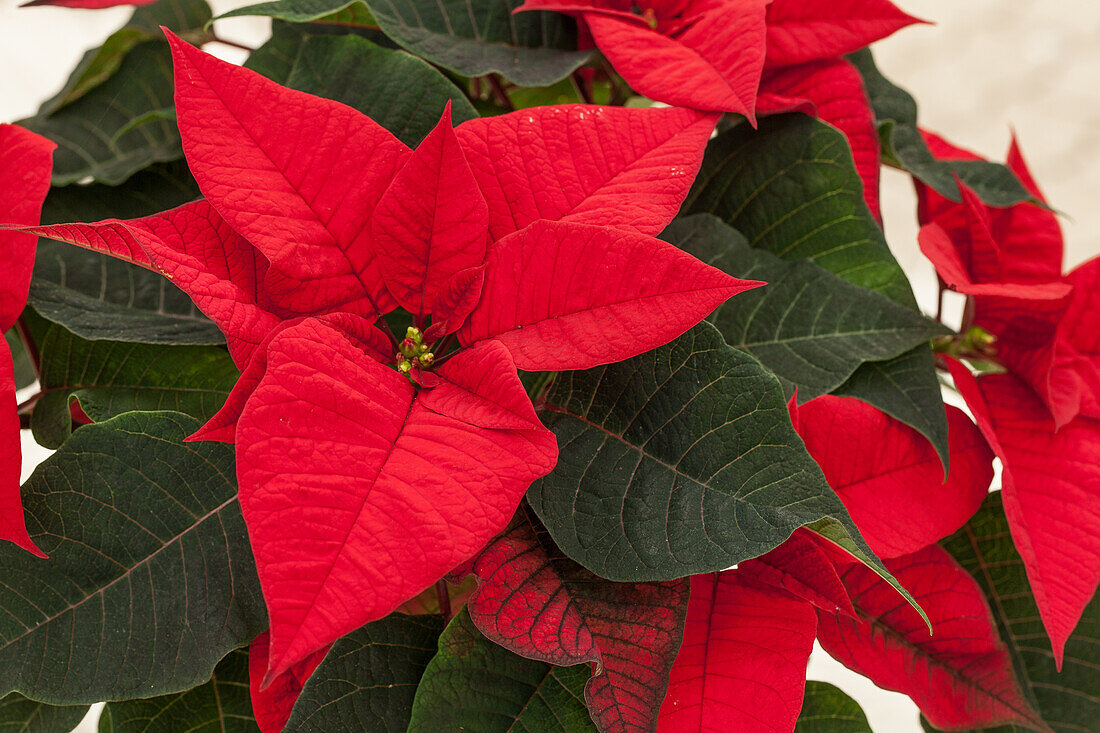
{"points": [[742, 665], [893, 486], [960, 676], [1080, 329], [384, 494], [431, 224], [1051, 488], [572, 296], [534, 601], [834, 92], [607, 166], [805, 566], [25, 165], [807, 30], [272, 704], [308, 214]]}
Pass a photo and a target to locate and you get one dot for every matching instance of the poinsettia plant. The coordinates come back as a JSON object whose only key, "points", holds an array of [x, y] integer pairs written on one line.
{"points": [[539, 366]]}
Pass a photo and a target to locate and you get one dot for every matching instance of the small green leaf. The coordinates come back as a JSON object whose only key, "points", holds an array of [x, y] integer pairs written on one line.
{"points": [[368, 679], [109, 378], [20, 715], [471, 37], [474, 685], [150, 579], [680, 461], [896, 114], [24, 369], [222, 704], [298, 11], [826, 709], [806, 325], [398, 91], [1069, 701]]}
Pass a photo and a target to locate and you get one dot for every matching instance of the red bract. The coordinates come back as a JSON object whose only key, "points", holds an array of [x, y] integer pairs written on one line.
{"points": [[805, 566], [710, 54], [370, 465], [273, 704], [1051, 485], [25, 165], [894, 486], [742, 665], [961, 676], [539, 604]]}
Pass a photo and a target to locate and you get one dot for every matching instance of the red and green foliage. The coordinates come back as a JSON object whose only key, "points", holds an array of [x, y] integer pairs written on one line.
{"points": [[424, 375]]}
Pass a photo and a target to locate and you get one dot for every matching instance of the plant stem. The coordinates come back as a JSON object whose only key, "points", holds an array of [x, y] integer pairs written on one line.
{"points": [[225, 42], [500, 93], [443, 595], [24, 332], [581, 85]]}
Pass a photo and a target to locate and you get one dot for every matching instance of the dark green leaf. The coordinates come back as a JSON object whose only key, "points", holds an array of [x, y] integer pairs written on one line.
{"points": [[826, 709], [85, 130], [472, 37], [806, 325], [222, 705], [792, 189], [276, 58], [150, 580], [398, 91], [474, 685], [20, 715], [100, 298], [24, 369], [676, 462], [98, 65], [368, 679], [896, 114], [1069, 701], [109, 378]]}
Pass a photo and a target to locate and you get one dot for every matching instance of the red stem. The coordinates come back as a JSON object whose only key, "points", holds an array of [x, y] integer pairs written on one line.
{"points": [[443, 595], [581, 86], [500, 93], [24, 332]]}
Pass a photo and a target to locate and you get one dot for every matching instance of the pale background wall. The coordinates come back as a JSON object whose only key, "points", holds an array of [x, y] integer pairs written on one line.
{"points": [[985, 66]]}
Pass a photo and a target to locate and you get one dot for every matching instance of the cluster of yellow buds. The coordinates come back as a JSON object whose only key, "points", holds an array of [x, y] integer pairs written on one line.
{"points": [[413, 352]]}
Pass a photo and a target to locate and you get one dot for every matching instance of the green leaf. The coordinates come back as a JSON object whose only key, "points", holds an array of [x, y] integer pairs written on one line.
{"points": [[150, 580], [297, 11], [398, 91], [180, 16], [826, 709], [1068, 701], [100, 298], [24, 369], [368, 679], [471, 37], [680, 461], [20, 715], [806, 325], [109, 378], [792, 189], [474, 685], [86, 129], [222, 704], [896, 114]]}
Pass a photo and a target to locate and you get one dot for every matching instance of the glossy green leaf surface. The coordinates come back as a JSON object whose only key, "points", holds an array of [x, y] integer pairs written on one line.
{"points": [[220, 705], [676, 462], [150, 579], [473, 684], [368, 678], [807, 325], [108, 378], [20, 715]]}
